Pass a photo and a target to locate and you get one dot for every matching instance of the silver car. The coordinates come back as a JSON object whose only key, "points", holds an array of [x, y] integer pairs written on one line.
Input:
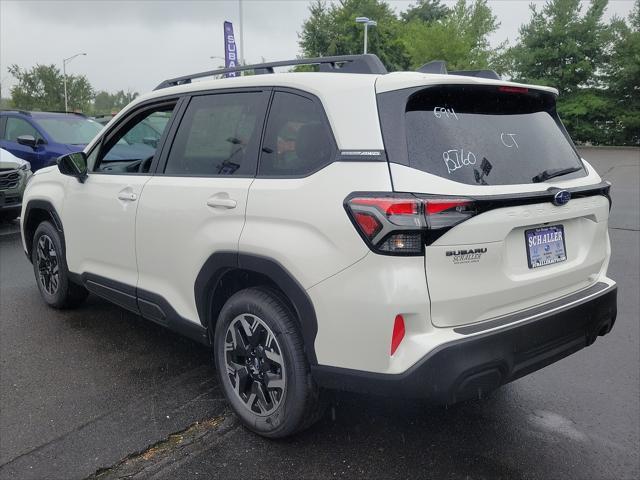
{"points": [[14, 174]]}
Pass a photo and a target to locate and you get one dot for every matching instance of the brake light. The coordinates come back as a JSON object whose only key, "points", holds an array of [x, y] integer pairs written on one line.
{"points": [[401, 224], [390, 206], [507, 89]]}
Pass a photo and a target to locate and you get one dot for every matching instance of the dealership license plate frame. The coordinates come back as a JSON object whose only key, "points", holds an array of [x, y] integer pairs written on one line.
{"points": [[553, 257]]}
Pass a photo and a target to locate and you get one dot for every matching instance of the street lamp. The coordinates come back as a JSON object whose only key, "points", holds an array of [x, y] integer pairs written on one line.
{"points": [[64, 74], [367, 23]]}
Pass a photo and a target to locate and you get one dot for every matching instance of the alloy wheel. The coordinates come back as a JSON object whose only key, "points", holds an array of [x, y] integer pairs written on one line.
{"points": [[254, 364], [48, 268]]}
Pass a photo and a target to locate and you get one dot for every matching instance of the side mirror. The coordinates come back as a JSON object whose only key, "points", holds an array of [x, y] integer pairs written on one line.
{"points": [[74, 165], [27, 140]]}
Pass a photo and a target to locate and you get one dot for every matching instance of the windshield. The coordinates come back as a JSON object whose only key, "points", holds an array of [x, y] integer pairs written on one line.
{"points": [[487, 135], [73, 130]]}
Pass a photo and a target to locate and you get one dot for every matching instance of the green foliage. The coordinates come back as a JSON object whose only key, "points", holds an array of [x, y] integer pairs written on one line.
{"points": [[623, 79], [426, 11], [594, 65], [460, 38], [427, 31], [106, 103], [561, 47], [42, 88], [331, 30]]}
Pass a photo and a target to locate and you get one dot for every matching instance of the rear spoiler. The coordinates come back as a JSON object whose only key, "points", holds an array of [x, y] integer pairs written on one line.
{"points": [[440, 67]]}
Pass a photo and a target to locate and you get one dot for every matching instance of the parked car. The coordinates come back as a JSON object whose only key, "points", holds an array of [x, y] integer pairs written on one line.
{"points": [[418, 234], [14, 175], [40, 137]]}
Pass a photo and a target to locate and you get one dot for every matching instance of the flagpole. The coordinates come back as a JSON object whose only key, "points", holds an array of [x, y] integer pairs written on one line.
{"points": [[242, 62]]}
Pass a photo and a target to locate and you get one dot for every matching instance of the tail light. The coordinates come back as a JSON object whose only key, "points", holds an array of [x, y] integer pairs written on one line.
{"points": [[401, 224]]}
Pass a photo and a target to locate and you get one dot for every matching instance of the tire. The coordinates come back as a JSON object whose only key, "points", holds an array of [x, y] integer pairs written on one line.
{"points": [[50, 269], [258, 320]]}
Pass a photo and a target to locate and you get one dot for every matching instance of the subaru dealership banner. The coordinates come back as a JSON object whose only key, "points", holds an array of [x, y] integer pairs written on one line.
{"points": [[230, 50]]}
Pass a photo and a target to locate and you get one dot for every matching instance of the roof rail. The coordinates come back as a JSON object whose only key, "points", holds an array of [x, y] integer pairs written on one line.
{"points": [[439, 66], [63, 111], [367, 63], [23, 112]]}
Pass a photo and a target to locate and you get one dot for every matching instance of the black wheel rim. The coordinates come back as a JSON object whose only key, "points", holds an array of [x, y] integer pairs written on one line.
{"points": [[254, 364], [48, 270]]}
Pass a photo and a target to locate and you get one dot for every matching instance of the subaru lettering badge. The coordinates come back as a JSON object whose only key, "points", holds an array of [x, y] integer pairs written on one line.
{"points": [[561, 198]]}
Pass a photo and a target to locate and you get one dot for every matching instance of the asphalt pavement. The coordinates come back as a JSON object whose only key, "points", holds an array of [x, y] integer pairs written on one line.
{"points": [[100, 392]]}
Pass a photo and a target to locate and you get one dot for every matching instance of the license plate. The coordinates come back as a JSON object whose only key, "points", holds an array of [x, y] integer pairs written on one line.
{"points": [[545, 246]]}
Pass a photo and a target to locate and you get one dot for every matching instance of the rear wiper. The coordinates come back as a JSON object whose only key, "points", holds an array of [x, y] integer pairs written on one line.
{"points": [[554, 172]]}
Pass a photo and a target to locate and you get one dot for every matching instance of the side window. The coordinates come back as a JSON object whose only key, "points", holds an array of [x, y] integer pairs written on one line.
{"points": [[17, 126], [133, 147], [297, 139], [219, 135]]}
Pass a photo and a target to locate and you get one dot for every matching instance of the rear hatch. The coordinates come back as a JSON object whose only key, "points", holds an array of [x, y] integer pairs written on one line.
{"points": [[531, 219]]}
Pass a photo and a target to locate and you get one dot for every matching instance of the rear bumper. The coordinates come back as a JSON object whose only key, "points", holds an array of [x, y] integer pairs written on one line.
{"points": [[482, 361]]}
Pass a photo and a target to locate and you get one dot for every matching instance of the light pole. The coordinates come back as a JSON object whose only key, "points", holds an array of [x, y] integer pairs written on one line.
{"points": [[241, 33], [64, 74], [367, 23]]}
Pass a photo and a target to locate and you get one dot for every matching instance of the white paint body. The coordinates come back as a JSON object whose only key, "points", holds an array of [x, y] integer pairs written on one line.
{"points": [[159, 241]]}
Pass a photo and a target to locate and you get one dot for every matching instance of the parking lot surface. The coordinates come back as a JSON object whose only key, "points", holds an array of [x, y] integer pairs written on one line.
{"points": [[100, 392]]}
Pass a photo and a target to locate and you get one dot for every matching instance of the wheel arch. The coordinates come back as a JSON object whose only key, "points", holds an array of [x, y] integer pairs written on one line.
{"points": [[225, 273], [36, 212]]}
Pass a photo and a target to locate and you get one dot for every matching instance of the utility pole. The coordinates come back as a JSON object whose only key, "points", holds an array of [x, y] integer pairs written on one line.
{"points": [[64, 75], [242, 62]]}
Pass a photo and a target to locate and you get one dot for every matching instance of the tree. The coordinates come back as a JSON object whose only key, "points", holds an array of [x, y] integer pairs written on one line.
{"points": [[428, 30], [461, 38], [566, 49], [333, 31], [560, 47], [317, 31], [623, 79], [426, 11], [42, 88], [106, 103]]}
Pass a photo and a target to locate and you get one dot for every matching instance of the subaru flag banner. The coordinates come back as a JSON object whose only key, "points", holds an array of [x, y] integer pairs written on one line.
{"points": [[230, 50]]}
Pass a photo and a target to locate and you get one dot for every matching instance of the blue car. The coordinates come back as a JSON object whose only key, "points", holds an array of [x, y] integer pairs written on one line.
{"points": [[40, 137]]}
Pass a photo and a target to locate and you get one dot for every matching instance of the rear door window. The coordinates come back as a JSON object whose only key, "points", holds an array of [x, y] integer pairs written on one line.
{"points": [[16, 127], [487, 135], [219, 135], [297, 140]]}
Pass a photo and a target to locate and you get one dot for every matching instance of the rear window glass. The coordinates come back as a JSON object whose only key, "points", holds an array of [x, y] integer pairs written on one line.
{"points": [[487, 135]]}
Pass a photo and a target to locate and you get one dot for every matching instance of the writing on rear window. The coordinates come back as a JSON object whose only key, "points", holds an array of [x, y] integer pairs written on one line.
{"points": [[450, 129], [439, 112], [455, 159], [509, 139]]}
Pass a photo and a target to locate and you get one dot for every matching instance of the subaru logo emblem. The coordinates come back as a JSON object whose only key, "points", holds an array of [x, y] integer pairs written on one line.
{"points": [[561, 198]]}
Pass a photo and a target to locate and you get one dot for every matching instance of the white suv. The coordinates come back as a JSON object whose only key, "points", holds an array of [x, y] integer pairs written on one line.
{"points": [[422, 234]]}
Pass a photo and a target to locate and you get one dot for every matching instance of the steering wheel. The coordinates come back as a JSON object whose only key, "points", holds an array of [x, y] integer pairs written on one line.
{"points": [[145, 164]]}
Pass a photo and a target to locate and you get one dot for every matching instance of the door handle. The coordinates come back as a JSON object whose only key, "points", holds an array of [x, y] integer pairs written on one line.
{"points": [[127, 196], [221, 202]]}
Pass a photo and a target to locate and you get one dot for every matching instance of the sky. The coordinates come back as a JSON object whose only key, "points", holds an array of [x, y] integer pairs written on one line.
{"points": [[134, 45]]}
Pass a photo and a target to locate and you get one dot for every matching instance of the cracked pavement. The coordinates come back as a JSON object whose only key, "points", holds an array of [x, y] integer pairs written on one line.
{"points": [[100, 393]]}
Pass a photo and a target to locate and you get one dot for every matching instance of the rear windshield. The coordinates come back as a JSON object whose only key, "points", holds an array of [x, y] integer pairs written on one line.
{"points": [[488, 135]]}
